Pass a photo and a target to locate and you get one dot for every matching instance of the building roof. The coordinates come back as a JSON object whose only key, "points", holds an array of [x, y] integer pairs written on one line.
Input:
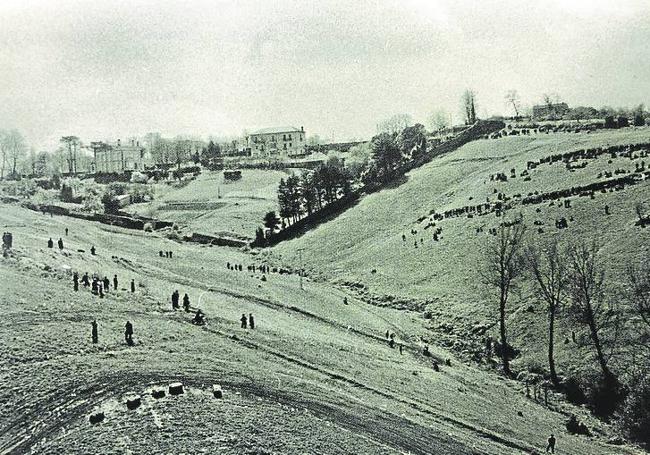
{"points": [[277, 130]]}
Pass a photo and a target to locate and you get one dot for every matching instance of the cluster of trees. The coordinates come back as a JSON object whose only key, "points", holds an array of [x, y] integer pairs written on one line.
{"points": [[570, 280], [304, 195]]}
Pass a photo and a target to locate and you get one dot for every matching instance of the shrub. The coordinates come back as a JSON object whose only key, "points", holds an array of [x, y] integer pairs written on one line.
{"points": [[604, 395], [66, 193], [573, 391], [111, 205], [635, 415]]}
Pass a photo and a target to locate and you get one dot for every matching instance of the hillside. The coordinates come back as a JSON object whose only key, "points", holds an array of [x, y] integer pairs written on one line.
{"points": [[365, 246], [319, 372], [212, 205]]}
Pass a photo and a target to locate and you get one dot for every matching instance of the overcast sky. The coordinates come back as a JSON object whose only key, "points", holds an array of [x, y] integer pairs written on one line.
{"points": [[102, 70]]}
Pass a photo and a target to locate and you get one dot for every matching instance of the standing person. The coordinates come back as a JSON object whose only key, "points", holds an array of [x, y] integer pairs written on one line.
{"points": [[551, 444], [251, 321], [92, 250], [50, 243], [345, 300], [94, 286], [94, 332], [107, 283], [186, 303], [60, 242], [100, 287], [128, 333], [401, 348], [171, 254], [387, 334], [85, 280], [115, 282], [243, 321], [175, 297], [132, 285], [66, 232]]}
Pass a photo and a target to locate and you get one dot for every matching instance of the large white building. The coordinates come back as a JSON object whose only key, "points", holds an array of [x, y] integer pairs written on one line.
{"points": [[119, 157], [278, 142]]}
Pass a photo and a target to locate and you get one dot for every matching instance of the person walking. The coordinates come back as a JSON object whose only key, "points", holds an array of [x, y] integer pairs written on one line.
{"points": [[94, 332], [115, 282], [550, 448], [132, 285], [186, 303], [128, 333], [60, 242], [175, 298], [244, 321], [251, 321], [401, 348]]}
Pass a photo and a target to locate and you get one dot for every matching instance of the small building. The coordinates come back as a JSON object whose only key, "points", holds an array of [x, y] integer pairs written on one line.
{"points": [[279, 142], [550, 111], [119, 157]]}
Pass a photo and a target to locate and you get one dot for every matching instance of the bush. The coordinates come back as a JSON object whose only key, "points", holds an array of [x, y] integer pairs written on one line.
{"points": [[635, 415], [604, 394], [111, 205], [66, 193], [574, 392]]}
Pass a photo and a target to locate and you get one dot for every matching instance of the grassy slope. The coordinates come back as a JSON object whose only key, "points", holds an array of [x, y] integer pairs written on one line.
{"points": [[369, 236], [240, 209], [315, 376]]}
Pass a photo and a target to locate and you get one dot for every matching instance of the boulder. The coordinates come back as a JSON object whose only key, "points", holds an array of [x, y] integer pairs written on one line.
{"points": [[96, 417], [158, 393], [176, 388], [216, 391], [133, 402]]}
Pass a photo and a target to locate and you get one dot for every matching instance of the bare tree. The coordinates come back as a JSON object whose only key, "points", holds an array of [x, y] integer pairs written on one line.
{"points": [[548, 268], [71, 143], [638, 294], [586, 280], [469, 106], [512, 98], [4, 150], [16, 148], [504, 264], [438, 120], [394, 124]]}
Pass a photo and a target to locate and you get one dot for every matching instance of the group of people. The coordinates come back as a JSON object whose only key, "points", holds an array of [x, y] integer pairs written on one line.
{"points": [[390, 336], [128, 332], [50, 243], [166, 254], [247, 323], [98, 285], [176, 299]]}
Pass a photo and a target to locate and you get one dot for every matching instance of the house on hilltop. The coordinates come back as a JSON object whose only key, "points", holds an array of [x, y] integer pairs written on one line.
{"points": [[279, 142], [119, 157]]}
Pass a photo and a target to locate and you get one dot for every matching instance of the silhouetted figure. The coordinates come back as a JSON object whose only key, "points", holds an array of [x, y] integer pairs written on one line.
{"points": [[345, 300], [171, 254], [107, 283], [85, 280], [244, 321], [161, 253], [199, 318], [132, 285], [186, 303], [551, 444], [94, 286], [391, 342], [100, 288], [7, 240], [92, 250], [387, 334], [60, 243], [128, 333], [175, 298], [66, 232], [251, 321], [606, 209], [401, 348], [50, 243], [75, 281], [115, 282], [425, 351], [94, 332]]}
